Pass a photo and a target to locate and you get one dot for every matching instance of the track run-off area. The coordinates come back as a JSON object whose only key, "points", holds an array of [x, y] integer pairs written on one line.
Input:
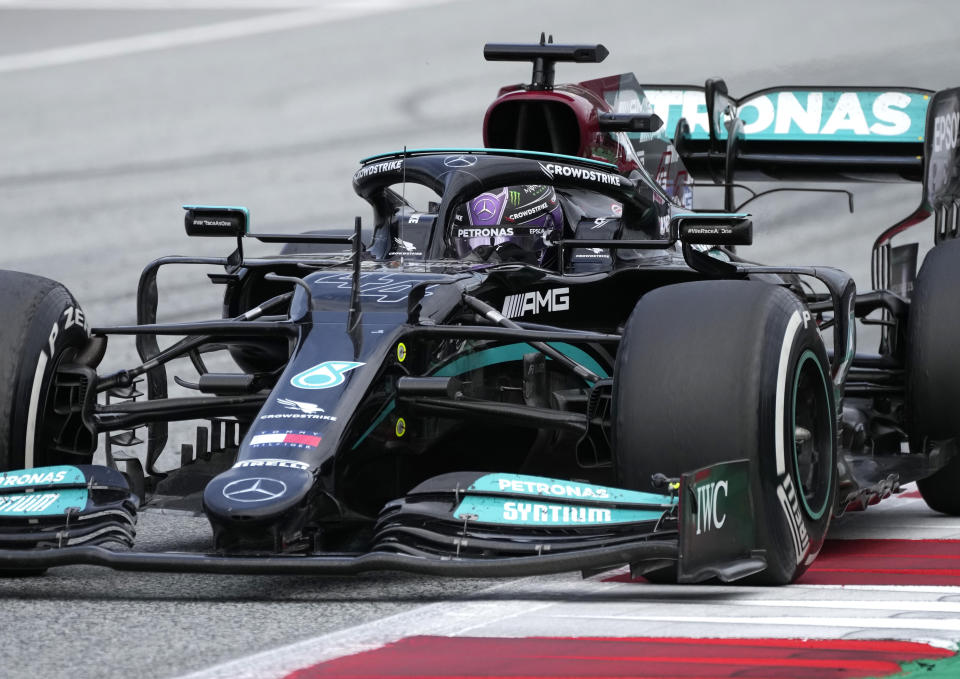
{"points": [[114, 113], [868, 607]]}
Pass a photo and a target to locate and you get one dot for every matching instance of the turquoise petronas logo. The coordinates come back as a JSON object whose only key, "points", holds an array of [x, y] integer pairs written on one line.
{"points": [[323, 376], [828, 114]]}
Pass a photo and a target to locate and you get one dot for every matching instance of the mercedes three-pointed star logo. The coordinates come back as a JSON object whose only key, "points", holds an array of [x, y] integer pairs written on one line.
{"points": [[460, 161], [256, 489], [483, 206]]}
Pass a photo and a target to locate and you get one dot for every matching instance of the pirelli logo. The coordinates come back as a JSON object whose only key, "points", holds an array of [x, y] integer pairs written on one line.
{"points": [[555, 299], [791, 508]]}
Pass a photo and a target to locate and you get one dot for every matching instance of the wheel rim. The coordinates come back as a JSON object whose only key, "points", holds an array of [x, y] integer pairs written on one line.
{"points": [[812, 435]]}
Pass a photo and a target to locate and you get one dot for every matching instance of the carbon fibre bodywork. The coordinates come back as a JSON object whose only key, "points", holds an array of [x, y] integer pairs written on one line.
{"points": [[390, 387]]}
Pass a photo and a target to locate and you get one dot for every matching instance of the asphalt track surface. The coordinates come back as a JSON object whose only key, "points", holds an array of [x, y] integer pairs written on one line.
{"points": [[113, 113]]}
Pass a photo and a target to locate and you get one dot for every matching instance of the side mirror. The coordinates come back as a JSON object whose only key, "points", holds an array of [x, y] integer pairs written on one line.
{"points": [[716, 228], [216, 220]]}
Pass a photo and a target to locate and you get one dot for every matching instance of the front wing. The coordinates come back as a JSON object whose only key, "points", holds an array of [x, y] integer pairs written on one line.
{"points": [[704, 527]]}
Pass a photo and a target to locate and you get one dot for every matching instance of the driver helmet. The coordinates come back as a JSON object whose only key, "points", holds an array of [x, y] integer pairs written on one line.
{"points": [[518, 222]]}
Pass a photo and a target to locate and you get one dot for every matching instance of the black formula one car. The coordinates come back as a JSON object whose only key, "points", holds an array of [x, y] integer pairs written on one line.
{"points": [[555, 364]]}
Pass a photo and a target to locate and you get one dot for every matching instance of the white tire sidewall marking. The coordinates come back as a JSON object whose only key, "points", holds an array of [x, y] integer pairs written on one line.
{"points": [[780, 433], [70, 317], [787, 494], [28, 452]]}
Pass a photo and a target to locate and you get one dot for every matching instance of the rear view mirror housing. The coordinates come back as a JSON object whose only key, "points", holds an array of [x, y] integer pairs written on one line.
{"points": [[713, 228], [629, 122], [216, 220]]}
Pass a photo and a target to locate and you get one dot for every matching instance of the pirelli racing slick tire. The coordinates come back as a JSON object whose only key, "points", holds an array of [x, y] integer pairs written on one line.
{"points": [[939, 491], [710, 371], [41, 325], [933, 371], [933, 334]]}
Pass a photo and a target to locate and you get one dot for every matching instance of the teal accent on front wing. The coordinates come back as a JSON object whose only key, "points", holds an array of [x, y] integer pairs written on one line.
{"points": [[44, 503], [513, 512], [515, 352], [543, 488], [41, 476]]}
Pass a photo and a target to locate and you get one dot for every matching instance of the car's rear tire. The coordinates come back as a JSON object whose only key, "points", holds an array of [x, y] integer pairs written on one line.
{"points": [[41, 325], [933, 335], [939, 491], [933, 371], [702, 372]]}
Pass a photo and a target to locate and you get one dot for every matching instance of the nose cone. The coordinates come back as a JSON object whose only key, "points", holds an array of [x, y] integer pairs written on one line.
{"points": [[255, 494]]}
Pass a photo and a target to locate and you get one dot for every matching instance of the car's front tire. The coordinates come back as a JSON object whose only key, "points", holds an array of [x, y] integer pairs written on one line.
{"points": [[720, 370], [41, 326]]}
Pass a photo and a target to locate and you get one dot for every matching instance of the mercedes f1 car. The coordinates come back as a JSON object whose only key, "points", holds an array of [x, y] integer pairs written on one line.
{"points": [[557, 364]]}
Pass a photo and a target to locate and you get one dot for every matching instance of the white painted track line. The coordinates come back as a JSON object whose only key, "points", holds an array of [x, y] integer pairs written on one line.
{"points": [[154, 5], [328, 12]]}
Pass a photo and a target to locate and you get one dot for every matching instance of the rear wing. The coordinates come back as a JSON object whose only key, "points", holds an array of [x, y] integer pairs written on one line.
{"points": [[823, 134], [834, 133], [805, 133]]}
